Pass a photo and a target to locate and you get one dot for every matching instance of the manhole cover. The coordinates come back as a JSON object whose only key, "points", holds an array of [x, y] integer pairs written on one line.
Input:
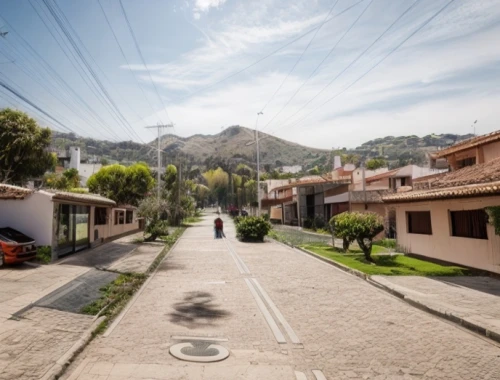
{"points": [[199, 351]]}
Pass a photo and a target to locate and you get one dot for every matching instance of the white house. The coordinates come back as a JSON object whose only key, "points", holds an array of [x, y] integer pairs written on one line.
{"points": [[68, 222]]}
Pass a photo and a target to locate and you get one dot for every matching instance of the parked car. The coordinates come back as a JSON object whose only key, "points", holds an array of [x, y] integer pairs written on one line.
{"points": [[15, 247]]}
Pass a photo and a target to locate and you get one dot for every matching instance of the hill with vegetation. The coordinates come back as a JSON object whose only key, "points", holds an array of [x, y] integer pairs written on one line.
{"points": [[236, 145]]}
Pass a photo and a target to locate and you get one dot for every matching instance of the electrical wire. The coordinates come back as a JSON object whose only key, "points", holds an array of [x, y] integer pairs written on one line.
{"points": [[267, 55], [142, 58], [319, 65], [300, 57], [425, 23]]}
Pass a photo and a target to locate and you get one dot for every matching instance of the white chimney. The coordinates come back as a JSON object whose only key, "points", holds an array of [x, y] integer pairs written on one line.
{"points": [[337, 163], [74, 162]]}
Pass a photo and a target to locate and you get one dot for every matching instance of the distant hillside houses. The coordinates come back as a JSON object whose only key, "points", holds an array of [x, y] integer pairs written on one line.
{"points": [[291, 169]]}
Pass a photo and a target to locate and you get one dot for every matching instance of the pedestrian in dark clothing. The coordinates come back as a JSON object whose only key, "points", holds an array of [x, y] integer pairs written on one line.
{"points": [[218, 226]]}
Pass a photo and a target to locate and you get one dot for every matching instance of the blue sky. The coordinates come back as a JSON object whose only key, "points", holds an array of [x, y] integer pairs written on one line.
{"points": [[198, 54]]}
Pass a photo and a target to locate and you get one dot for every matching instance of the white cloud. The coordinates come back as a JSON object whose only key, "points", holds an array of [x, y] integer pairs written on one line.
{"points": [[196, 15], [205, 5], [432, 84]]}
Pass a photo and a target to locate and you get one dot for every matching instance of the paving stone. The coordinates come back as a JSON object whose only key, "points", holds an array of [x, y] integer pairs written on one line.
{"points": [[347, 328]]}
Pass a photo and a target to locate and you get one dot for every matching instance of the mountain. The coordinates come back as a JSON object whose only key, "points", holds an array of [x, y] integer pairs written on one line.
{"points": [[236, 144]]}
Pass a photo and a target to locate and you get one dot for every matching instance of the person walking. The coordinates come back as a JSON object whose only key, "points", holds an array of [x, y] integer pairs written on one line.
{"points": [[219, 228]]}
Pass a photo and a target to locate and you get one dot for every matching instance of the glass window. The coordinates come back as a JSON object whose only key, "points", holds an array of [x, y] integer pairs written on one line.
{"points": [[419, 222], [469, 224], [129, 217], [100, 216]]}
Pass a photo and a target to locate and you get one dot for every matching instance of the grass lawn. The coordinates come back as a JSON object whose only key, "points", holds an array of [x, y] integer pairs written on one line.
{"points": [[397, 265], [192, 219]]}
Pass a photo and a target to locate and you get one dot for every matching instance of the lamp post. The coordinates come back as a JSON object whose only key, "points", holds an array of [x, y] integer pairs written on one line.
{"points": [[258, 161]]}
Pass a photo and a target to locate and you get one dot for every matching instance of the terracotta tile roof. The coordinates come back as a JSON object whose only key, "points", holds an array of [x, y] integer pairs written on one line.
{"points": [[384, 175], [481, 173], [482, 189], [13, 192], [313, 180], [468, 144], [372, 196], [482, 179]]}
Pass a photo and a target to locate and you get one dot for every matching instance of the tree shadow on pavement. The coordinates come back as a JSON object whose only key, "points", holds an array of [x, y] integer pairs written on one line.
{"points": [[197, 310]]}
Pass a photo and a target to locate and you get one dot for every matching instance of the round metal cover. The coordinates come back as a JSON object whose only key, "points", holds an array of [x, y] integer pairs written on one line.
{"points": [[199, 351]]}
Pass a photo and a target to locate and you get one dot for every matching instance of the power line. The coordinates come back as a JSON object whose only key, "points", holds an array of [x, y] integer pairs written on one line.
{"points": [[300, 57], [353, 61], [142, 57], [377, 64], [319, 65], [93, 75], [124, 56], [267, 55]]}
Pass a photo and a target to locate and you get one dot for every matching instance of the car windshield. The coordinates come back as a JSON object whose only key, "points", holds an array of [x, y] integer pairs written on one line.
{"points": [[9, 235]]}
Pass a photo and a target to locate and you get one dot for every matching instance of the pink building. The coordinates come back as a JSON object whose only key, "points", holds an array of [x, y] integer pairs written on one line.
{"points": [[445, 216]]}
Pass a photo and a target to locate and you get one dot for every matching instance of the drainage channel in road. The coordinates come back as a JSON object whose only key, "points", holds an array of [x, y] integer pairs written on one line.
{"points": [[76, 294]]}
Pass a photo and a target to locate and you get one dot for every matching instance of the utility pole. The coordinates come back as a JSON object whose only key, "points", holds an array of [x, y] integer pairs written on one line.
{"points": [[159, 127], [258, 160]]}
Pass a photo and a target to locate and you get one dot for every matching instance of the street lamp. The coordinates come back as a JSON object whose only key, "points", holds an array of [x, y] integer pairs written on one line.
{"points": [[258, 160]]}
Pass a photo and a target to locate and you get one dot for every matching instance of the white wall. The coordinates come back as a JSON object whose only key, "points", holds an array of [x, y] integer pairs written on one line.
{"points": [[476, 253], [31, 216]]}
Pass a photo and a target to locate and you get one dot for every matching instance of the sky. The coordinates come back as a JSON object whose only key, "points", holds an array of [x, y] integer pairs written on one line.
{"points": [[322, 73]]}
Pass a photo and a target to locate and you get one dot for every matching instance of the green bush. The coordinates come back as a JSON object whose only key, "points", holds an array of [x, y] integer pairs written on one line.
{"points": [[387, 243], [156, 229], [238, 219], [362, 227], [252, 228], [44, 254]]}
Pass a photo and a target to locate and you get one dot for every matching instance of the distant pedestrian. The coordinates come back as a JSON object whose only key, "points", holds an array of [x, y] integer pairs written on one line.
{"points": [[218, 228]]}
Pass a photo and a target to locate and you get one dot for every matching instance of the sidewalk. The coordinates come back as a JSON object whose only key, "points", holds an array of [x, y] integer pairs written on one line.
{"points": [[40, 305], [470, 301]]}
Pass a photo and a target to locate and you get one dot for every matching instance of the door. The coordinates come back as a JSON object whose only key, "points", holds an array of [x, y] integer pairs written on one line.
{"points": [[73, 229]]}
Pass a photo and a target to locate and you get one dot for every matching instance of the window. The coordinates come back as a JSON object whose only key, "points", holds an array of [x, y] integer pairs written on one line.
{"points": [[119, 217], [466, 162], [100, 216], [469, 224], [419, 222], [129, 217]]}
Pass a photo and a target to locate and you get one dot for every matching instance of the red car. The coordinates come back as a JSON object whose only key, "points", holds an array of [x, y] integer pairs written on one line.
{"points": [[15, 247]]}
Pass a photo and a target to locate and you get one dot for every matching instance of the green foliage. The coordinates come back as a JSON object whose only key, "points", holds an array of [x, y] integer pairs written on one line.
{"points": [[24, 144], [44, 254], [124, 185], [375, 163], [494, 217], [151, 209], [315, 170], [389, 265], [69, 179], [252, 228], [387, 243], [362, 227]]}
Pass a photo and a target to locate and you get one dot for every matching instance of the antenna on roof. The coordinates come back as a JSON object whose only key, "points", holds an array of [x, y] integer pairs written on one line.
{"points": [[474, 126]]}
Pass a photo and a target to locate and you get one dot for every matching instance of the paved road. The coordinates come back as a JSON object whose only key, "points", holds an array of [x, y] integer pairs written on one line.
{"points": [[282, 315]]}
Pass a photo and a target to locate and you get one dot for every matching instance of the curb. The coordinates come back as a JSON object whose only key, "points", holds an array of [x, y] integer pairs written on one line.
{"points": [[64, 361], [410, 301]]}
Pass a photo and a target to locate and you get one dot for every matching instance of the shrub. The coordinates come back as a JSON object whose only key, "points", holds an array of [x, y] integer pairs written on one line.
{"points": [[237, 219], [252, 228], [387, 243], [156, 229], [362, 227], [44, 254]]}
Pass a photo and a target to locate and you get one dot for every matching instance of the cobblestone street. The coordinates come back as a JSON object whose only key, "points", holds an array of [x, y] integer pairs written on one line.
{"points": [[282, 315]]}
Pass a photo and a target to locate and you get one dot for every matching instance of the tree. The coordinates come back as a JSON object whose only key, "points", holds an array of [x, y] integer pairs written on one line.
{"points": [[104, 161], [177, 193], [150, 208], [375, 163], [218, 182], [70, 179], [24, 144], [124, 185], [362, 227]]}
